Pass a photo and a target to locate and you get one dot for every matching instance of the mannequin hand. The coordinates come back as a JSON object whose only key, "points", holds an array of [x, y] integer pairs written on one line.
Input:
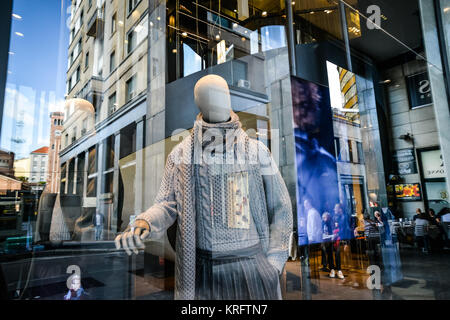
{"points": [[131, 239]]}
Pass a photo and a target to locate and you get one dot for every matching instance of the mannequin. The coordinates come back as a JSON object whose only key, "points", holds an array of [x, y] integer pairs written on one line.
{"points": [[212, 96], [234, 218]]}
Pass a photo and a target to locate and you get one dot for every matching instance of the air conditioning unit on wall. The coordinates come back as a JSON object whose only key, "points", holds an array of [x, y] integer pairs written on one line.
{"points": [[242, 83]]}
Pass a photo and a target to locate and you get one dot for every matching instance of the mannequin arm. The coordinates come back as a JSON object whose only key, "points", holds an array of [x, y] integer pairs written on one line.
{"points": [[279, 211]]}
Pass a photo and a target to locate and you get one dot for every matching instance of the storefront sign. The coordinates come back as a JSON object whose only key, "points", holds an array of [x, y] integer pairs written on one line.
{"points": [[419, 90], [408, 192], [433, 164], [405, 161]]}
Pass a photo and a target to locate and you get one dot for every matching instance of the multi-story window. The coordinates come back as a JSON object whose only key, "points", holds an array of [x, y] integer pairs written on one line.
{"points": [[350, 150], [131, 38], [74, 54], [113, 23], [74, 134], [84, 128], [79, 23], [112, 103], [137, 34], [70, 60], [77, 75], [130, 88], [69, 85], [112, 61], [86, 60], [132, 4], [72, 34]]}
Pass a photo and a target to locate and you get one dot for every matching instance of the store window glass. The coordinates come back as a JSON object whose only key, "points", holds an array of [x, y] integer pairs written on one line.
{"points": [[346, 96]]}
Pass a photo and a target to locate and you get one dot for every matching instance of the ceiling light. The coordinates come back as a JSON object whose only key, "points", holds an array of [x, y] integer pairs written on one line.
{"points": [[264, 13], [217, 37], [386, 81], [17, 16], [19, 34], [235, 10], [235, 25], [447, 9], [243, 39], [121, 23], [293, 3], [312, 12], [174, 51], [158, 18], [184, 34]]}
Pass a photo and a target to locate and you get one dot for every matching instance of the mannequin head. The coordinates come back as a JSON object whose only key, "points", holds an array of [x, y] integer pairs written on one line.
{"points": [[212, 96]]}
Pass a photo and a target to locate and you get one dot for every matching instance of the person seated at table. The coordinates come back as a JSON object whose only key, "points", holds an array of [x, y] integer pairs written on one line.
{"points": [[421, 232]]}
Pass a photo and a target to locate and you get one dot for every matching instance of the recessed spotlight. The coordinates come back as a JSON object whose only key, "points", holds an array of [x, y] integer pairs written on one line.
{"points": [[312, 12], [184, 34], [293, 3], [158, 18], [217, 37], [264, 13], [121, 23], [174, 51], [243, 39], [17, 16]]}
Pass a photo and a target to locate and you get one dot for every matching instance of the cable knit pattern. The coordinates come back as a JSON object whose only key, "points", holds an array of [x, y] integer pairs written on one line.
{"points": [[188, 179]]}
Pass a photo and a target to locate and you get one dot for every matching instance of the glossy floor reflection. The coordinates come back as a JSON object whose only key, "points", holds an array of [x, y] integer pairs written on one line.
{"points": [[424, 277]]}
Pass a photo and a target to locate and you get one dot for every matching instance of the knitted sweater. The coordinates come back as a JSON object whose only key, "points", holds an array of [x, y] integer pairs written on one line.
{"points": [[196, 172]]}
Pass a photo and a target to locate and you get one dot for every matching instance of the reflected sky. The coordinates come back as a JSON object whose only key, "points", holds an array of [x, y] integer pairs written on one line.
{"points": [[36, 73]]}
